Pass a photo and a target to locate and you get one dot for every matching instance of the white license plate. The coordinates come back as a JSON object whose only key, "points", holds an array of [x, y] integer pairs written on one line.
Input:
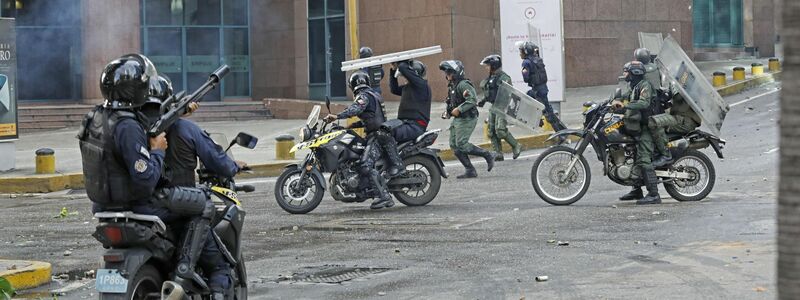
{"points": [[111, 281]]}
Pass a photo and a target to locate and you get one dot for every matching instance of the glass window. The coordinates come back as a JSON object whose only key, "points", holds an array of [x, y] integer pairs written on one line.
{"points": [[235, 12], [338, 81], [164, 12], [335, 7], [201, 12], [316, 47], [316, 8], [187, 40], [47, 13]]}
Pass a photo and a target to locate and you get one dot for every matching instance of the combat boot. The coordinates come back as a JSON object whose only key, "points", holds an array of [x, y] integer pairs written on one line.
{"points": [[498, 156], [389, 145], [662, 160], [634, 194], [516, 150], [469, 170], [487, 155], [384, 199], [651, 182]]}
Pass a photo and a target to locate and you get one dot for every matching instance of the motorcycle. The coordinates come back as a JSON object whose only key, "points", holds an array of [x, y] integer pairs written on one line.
{"points": [[141, 251], [561, 175], [300, 188]]}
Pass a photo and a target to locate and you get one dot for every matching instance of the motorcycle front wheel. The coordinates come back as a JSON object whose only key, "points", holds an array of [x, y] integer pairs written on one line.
{"points": [[298, 195], [425, 169], [551, 181]]}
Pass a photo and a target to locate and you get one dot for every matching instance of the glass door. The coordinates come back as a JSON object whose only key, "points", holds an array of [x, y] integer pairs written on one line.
{"points": [[326, 49]]}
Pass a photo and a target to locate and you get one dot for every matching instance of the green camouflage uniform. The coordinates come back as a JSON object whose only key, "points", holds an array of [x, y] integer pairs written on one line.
{"points": [[498, 125], [640, 98], [680, 119], [653, 76], [462, 126]]}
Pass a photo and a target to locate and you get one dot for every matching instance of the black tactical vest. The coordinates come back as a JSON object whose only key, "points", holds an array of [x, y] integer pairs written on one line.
{"points": [[375, 76], [490, 88], [456, 99], [106, 178], [374, 115], [180, 161]]}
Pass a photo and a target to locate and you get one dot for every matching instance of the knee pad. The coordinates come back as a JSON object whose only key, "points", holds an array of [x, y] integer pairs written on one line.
{"points": [[187, 201]]}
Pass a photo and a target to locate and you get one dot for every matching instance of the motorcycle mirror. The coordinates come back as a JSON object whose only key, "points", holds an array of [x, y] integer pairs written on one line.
{"points": [[245, 140], [328, 103]]}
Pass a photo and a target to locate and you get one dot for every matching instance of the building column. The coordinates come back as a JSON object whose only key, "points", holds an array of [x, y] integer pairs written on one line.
{"points": [[111, 28]]}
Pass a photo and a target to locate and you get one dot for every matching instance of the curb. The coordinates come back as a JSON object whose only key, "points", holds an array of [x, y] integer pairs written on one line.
{"points": [[41, 183], [33, 274], [535, 141], [741, 86]]}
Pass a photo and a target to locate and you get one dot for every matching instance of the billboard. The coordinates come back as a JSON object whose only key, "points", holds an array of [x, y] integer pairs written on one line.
{"points": [[539, 21], [8, 85]]}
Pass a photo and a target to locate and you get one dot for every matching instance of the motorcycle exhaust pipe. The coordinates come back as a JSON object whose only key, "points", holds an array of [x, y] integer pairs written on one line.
{"points": [[171, 290]]}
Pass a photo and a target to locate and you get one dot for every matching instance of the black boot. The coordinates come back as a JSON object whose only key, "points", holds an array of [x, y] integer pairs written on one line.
{"points": [[193, 241], [389, 145], [487, 155], [498, 156], [634, 194], [469, 170], [384, 199], [662, 160], [651, 182]]}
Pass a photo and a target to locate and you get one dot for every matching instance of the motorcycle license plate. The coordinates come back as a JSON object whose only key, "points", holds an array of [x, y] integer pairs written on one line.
{"points": [[111, 281]]}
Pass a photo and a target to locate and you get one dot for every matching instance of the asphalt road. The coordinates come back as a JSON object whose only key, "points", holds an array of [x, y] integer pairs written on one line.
{"points": [[485, 238]]}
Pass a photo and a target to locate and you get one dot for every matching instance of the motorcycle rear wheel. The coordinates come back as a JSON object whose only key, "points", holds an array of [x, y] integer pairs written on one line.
{"points": [[419, 166], [695, 189], [559, 157], [146, 284]]}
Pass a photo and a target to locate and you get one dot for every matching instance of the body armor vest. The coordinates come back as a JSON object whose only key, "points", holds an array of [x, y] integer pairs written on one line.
{"points": [[374, 115], [455, 99], [375, 76]]}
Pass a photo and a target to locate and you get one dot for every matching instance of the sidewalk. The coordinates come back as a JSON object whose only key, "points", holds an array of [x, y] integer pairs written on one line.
{"points": [[68, 159]]}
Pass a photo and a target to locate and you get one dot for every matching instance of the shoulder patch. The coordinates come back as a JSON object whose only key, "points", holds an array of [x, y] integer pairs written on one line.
{"points": [[140, 166], [144, 152]]}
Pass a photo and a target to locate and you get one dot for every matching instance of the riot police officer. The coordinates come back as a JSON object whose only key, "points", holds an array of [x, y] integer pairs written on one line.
{"points": [[375, 73], [498, 125], [637, 111], [653, 76], [188, 143], [368, 106], [535, 75], [462, 106], [414, 112], [122, 168]]}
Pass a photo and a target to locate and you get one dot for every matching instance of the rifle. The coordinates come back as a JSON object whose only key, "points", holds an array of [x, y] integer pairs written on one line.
{"points": [[173, 113]]}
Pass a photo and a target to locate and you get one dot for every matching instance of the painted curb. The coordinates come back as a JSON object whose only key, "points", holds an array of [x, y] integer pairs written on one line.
{"points": [[36, 273], [41, 183], [741, 86]]}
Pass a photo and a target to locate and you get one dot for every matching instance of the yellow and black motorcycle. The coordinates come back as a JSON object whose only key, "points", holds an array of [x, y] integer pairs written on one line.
{"points": [[336, 150]]}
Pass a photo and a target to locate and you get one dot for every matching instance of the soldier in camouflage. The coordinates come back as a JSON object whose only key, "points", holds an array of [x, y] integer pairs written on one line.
{"points": [[653, 76], [637, 111], [498, 125], [462, 106]]}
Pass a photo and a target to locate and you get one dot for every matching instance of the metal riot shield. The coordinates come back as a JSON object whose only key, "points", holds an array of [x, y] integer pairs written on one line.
{"points": [[651, 41], [682, 73], [517, 106]]}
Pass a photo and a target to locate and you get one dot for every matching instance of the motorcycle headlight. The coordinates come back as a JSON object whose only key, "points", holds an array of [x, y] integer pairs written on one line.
{"points": [[305, 133]]}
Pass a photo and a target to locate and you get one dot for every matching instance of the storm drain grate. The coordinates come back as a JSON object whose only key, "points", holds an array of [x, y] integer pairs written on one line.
{"points": [[331, 274]]}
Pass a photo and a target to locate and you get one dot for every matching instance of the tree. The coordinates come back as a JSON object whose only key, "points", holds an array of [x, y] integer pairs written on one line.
{"points": [[789, 181]]}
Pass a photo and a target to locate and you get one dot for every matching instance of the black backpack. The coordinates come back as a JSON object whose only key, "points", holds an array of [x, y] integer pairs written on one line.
{"points": [[539, 73]]}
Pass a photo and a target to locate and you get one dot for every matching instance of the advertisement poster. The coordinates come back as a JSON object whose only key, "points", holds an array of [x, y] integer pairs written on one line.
{"points": [[8, 72], [523, 20]]}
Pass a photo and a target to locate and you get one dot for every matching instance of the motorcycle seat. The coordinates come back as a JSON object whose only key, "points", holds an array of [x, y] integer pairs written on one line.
{"points": [[419, 138], [129, 215]]}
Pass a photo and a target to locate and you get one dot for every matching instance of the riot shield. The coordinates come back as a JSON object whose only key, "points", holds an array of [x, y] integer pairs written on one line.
{"points": [[684, 76], [517, 106], [651, 41]]}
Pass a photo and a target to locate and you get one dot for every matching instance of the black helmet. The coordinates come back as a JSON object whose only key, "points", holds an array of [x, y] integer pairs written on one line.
{"points": [[125, 82], [358, 80], [634, 70], [160, 88], [454, 67], [365, 52], [418, 67], [494, 61], [642, 55], [528, 48]]}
